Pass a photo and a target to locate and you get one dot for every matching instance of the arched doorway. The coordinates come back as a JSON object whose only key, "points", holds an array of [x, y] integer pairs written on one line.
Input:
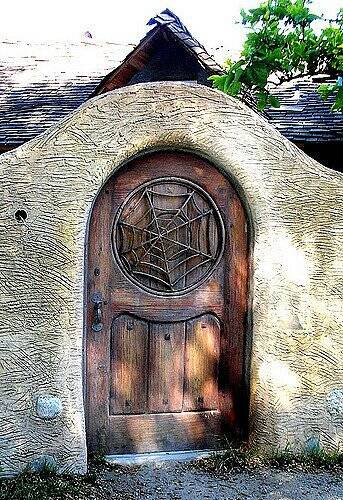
{"points": [[167, 265]]}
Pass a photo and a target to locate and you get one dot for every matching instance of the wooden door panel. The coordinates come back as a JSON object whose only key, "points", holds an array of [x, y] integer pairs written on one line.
{"points": [[201, 363], [129, 365], [165, 432], [168, 253], [98, 372], [154, 309], [163, 367], [166, 367]]}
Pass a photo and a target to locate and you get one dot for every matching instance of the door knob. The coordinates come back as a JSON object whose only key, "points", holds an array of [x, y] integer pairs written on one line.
{"points": [[98, 302]]}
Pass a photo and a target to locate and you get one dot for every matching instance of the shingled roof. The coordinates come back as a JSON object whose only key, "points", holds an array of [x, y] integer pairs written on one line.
{"points": [[303, 116], [42, 83]]}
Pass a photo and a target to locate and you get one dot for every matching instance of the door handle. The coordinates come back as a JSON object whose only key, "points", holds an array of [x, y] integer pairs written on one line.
{"points": [[98, 302]]}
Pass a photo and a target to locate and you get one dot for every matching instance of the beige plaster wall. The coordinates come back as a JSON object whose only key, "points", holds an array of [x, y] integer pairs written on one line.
{"points": [[296, 209]]}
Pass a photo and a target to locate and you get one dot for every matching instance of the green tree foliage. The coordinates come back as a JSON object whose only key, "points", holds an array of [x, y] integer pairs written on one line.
{"points": [[285, 41]]}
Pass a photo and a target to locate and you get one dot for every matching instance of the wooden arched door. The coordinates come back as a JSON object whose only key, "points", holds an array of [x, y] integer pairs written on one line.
{"points": [[166, 303]]}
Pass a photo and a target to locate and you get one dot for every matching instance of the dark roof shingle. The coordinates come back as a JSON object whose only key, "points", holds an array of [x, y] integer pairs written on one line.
{"points": [[43, 82], [303, 116]]}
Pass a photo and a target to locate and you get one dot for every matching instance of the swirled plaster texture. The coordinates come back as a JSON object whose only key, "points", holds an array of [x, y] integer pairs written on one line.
{"points": [[295, 207]]}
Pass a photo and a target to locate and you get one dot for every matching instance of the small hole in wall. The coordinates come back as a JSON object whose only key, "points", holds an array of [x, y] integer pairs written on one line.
{"points": [[20, 215]]}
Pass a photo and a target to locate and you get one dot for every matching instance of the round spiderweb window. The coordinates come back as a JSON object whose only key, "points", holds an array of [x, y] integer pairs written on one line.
{"points": [[168, 235]]}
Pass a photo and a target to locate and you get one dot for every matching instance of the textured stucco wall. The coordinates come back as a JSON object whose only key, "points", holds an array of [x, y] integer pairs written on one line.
{"points": [[295, 206]]}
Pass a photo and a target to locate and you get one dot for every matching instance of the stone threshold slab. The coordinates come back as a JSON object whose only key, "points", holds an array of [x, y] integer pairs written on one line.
{"points": [[165, 456]]}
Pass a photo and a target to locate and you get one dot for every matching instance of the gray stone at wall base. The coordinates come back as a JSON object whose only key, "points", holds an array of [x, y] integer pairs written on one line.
{"points": [[312, 444], [44, 462], [334, 403], [48, 407]]}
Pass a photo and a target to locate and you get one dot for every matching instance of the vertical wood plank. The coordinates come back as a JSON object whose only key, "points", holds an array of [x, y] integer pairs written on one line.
{"points": [[129, 366], [198, 240], [233, 390], [98, 371], [98, 343], [204, 238], [168, 199], [166, 366], [201, 363], [135, 213]]}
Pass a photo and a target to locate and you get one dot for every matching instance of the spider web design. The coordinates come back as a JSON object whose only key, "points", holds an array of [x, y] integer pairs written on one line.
{"points": [[167, 241]]}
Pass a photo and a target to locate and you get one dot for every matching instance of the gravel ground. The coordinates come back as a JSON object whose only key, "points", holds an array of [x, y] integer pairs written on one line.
{"points": [[174, 481]]}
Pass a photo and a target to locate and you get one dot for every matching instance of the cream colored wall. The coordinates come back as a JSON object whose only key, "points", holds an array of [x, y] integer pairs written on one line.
{"points": [[296, 210]]}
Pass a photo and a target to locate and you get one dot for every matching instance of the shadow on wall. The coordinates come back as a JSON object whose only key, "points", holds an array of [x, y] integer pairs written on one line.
{"points": [[296, 385]]}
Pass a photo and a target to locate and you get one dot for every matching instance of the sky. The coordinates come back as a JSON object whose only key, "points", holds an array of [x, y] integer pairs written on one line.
{"points": [[212, 22]]}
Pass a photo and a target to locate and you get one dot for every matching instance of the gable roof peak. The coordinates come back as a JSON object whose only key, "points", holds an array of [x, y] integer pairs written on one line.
{"points": [[168, 17]]}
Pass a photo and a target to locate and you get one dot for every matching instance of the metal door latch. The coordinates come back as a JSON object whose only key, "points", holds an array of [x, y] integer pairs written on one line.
{"points": [[98, 302]]}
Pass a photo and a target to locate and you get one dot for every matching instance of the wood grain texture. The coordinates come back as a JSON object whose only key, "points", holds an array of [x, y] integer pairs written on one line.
{"points": [[170, 288], [167, 431], [201, 363], [128, 370], [167, 349], [295, 207]]}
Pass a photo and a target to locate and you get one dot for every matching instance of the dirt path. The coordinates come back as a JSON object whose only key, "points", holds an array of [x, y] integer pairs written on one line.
{"points": [[174, 481]]}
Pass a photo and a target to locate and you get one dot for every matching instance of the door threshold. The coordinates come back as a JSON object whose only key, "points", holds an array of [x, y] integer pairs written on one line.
{"points": [[159, 456]]}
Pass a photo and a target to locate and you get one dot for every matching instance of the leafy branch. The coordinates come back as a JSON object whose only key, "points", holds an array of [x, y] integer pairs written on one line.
{"points": [[283, 44]]}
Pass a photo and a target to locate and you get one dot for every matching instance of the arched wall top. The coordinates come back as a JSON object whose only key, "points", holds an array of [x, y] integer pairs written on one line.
{"points": [[295, 206]]}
